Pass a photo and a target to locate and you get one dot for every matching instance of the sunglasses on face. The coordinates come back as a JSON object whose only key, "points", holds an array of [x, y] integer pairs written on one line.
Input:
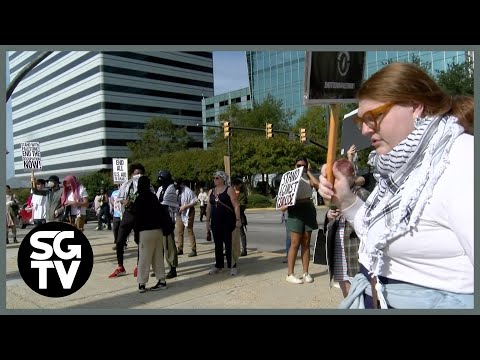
{"points": [[370, 118]]}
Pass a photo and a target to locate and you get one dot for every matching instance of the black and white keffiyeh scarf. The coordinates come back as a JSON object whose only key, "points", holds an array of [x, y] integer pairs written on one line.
{"points": [[405, 178]]}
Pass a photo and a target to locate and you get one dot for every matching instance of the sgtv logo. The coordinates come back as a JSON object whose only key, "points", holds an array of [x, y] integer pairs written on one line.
{"points": [[55, 259]]}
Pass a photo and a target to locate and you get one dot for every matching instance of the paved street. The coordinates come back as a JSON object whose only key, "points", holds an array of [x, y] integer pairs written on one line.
{"points": [[260, 283]]}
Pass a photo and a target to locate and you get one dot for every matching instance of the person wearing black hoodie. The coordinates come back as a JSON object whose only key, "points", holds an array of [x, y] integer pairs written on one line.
{"points": [[148, 224], [168, 199]]}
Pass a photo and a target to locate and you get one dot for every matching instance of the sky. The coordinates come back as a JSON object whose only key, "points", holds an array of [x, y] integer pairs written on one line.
{"points": [[229, 73]]}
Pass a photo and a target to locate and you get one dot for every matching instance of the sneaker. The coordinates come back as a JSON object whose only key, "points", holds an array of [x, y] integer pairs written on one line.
{"points": [[307, 278], [293, 279], [97, 229], [135, 272], [192, 253], [214, 271], [119, 271], [234, 271], [161, 284], [105, 226], [285, 260], [179, 252], [172, 273], [141, 288]]}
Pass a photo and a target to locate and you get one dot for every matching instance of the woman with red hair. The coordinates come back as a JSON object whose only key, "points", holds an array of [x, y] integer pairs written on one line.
{"points": [[75, 196]]}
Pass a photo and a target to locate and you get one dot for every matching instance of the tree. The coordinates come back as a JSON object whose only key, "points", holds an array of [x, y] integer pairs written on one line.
{"points": [[457, 79], [94, 181], [414, 59], [160, 136], [314, 121], [268, 111]]}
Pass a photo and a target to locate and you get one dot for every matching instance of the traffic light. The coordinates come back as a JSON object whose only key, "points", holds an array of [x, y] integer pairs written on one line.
{"points": [[269, 130], [226, 129], [303, 135]]}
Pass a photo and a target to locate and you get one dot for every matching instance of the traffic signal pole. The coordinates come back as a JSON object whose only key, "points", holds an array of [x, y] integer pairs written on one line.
{"points": [[263, 130]]}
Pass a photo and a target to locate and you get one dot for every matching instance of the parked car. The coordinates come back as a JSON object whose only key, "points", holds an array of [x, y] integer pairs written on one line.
{"points": [[91, 214], [25, 216]]}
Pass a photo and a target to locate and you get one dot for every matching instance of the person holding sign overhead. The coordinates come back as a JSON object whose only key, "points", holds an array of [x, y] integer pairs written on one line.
{"points": [[302, 220]]}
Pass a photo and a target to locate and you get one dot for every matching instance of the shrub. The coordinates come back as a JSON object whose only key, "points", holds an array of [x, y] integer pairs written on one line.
{"points": [[259, 201]]}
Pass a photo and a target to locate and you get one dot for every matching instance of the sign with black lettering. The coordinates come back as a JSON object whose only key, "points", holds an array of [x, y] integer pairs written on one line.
{"points": [[32, 160], [287, 192], [120, 170]]}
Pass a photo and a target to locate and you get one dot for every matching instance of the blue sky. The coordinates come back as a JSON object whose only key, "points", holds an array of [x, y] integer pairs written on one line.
{"points": [[229, 71]]}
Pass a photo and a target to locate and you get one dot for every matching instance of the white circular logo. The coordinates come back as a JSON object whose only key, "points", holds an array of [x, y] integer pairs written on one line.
{"points": [[343, 62]]}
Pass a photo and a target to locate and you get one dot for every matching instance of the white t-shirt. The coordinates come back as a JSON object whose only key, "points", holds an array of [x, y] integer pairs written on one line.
{"points": [[39, 207], [76, 210], [439, 252]]}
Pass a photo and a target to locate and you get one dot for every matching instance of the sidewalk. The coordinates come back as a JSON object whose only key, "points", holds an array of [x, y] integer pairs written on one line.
{"points": [[260, 283]]}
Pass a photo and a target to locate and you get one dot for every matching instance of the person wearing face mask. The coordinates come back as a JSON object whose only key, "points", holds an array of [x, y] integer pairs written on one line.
{"points": [[168, 199], [126, 197], [416, 227], [53, 197]]}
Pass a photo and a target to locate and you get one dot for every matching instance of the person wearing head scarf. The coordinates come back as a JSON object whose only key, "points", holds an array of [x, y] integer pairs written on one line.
{"points": [[75, 196], [223, 217], [168, 199]]}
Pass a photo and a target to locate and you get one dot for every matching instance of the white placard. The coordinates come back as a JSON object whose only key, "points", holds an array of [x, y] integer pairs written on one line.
{"points": [[120, 170], [287, 193], [31, 157]]}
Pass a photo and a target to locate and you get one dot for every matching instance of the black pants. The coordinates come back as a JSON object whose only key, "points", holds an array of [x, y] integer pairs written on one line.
{"points": [[222, 235], [104, 211], [203, 211], [115, 225], [125, 228]]}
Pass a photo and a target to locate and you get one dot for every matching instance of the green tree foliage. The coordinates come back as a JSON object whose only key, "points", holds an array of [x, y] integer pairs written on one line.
{"points": [[457, 79], [269, 110], [414, 59], [160, 136], [314, 121], [95, 181]]}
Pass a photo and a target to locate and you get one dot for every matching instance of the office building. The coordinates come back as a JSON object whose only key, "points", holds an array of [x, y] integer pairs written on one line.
{"points": [[213, 106], [84, 107]]}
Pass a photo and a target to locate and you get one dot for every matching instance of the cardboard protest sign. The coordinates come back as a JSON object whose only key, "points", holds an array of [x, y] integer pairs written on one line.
{"points": [[32, 159], [287, 192], [120, 170]]}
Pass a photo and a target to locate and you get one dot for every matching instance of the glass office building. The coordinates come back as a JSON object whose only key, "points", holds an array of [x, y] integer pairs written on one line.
{"points": [[435, 60], [281, 73]]}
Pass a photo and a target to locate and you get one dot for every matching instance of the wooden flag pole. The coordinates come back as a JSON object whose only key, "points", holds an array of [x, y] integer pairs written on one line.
{"points": [[332, 142], [32, 179]]}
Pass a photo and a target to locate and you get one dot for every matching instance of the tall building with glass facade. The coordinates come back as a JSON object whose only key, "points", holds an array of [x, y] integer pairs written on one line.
{"points": [[435, 60], [281, 73], [84, 107]]}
